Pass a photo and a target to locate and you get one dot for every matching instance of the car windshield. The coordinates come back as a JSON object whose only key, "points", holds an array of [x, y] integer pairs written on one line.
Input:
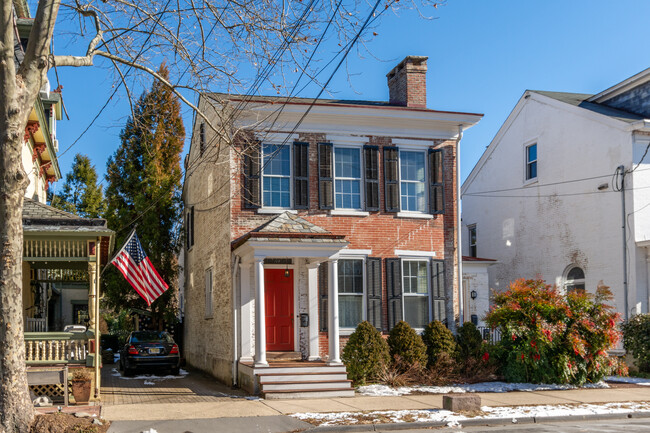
{"points": [[151, 337]]}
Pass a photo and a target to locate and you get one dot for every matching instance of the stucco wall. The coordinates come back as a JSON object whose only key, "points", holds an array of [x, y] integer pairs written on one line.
{"points": [[208, 339], [541, 228]]}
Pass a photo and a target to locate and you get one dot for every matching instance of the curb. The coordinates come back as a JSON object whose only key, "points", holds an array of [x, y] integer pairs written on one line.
{"points": [[489, 422]]}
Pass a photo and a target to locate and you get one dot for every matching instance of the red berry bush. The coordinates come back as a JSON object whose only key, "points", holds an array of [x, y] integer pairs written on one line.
{"points": [[550, 337]]}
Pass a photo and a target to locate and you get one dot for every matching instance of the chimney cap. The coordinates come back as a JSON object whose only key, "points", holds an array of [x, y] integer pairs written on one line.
{"points": [[414, 60]]}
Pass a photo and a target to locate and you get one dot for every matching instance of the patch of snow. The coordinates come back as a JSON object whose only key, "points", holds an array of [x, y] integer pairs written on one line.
{"points": [[453, 420], [150, 377], [245, 397], [634, 380], [385, 390], [149, 382]]}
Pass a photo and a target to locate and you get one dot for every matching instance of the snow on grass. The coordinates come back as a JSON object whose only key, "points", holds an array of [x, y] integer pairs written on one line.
{"points": [[149, 377], [455, 419], [635, 380], [385, 390]]}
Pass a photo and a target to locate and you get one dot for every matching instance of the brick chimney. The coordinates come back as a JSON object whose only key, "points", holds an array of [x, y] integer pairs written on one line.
{"points": [[407, 82]]}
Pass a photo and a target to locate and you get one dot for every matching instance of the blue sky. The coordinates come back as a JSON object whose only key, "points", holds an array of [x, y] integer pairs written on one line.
{"points": [[482, 56]]}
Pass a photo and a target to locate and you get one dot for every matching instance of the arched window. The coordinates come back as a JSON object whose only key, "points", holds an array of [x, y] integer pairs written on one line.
{"points": [[574, 280]]}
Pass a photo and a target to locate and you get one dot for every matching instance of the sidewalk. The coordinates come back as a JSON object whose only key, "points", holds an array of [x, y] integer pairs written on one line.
{"points": [[237, 407]]}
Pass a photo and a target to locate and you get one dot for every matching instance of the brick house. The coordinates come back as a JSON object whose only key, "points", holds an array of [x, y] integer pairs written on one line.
{"points": [[321, 221]]}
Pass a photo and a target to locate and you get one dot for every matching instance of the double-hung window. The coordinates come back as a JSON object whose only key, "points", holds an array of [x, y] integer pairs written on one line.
{"points": [[472, 240], [350, 273], [412, 181], [276, 175], [347, 177], [415, 283], [531, 161]]}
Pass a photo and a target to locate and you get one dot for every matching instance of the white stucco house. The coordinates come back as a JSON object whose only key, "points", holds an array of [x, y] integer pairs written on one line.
{"points": [[563, 192]]}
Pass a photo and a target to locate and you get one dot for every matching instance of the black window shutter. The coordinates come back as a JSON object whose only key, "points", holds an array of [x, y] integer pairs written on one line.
{"points": [[187, 230], [301, 175], [394, 288], [371, 177], [191, 242], [322, 296], [202, 142], [325, 176], [436, 178], [391, 178], [373, 291], [438, 300], [252, 177]]}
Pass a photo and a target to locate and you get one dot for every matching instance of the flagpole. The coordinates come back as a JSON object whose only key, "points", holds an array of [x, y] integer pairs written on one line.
{"points": [[120, 250]]}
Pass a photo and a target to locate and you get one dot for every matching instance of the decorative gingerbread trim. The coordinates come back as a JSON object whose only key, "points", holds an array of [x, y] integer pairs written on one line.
{"points": [[38, 151], [44, 168], [31, 128]]}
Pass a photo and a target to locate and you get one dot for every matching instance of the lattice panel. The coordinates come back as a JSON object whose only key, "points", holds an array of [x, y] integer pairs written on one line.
{"points": [[51, 391]]}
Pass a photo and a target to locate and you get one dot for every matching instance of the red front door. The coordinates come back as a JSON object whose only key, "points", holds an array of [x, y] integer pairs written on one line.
{"points": [[278, 300]]}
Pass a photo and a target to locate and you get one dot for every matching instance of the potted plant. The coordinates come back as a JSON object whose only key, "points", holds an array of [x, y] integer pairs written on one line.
{"points": [[81, 385]]}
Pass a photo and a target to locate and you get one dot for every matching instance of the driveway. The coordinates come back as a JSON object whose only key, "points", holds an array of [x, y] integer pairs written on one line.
{"points": [[189, 387]]}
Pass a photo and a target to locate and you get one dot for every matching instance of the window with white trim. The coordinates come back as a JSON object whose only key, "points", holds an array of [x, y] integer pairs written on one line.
{"points": [[472, 240], [531, 161], [276, 175], [412, 181], [415, 284], [347, 177], [574, 280], [208, 293], [351, 311]]}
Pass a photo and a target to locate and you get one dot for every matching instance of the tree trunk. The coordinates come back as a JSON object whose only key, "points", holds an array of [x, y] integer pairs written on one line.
{"points": [[16, 409]]}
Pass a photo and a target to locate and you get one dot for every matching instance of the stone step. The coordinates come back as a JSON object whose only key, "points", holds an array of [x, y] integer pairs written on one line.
{"points": [[298, 385], [304, 377], [309, 393], [283, 356]]}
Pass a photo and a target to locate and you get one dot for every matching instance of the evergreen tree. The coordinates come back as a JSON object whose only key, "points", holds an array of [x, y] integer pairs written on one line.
{"points": [[80, 195], [144, 187]]}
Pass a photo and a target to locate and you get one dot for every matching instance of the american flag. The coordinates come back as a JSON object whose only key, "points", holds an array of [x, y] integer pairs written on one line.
{"points": [[136, 267]]}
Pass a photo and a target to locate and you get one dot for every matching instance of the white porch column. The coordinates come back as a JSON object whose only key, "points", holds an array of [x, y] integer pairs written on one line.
{"points": [[333, 310], [246, 315], [260, 315], [92, 294], [312, 299]]}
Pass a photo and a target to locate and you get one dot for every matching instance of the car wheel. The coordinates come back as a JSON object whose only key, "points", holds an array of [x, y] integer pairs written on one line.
{"points": [[176, 371]]}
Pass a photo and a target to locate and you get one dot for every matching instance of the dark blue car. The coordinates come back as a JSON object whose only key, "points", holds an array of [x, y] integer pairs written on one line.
{"points": [[148, 350]]}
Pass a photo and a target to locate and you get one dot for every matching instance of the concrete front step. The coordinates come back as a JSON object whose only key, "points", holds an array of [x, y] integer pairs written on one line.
{"points": [[314, 393], [305, 377], [265, 371], [298, 385]]}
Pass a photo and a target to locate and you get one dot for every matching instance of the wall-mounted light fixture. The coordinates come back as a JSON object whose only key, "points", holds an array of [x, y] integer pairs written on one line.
{"points": [[603, 186], [287, 274], [473, 294]]}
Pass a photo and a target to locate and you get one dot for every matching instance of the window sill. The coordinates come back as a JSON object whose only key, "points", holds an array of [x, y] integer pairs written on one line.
{"points": [[271, 210], [345, 332], [424, 216], [530, 181], [350, 212]]}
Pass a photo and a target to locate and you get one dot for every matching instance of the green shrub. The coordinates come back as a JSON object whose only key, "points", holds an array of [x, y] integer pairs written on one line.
{"points": [[549, 337], [438, 339], [405, 343], [365, 354], [469, 341], [637, 340]]}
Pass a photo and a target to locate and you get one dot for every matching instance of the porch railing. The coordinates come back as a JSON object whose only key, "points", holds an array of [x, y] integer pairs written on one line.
{"points": [[490, 335], [56, 348]]}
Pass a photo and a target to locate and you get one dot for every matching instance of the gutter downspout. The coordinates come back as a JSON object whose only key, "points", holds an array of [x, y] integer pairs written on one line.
{"points": [[621, 170], [459, 229], [235, 371], [97, 340]]}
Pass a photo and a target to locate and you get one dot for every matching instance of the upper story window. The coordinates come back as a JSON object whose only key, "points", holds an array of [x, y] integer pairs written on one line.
{"points": [[472, 240], [347, 177], [350, 274], [531, 161], [276, 175], [574, 280], [208, 293], [202, 143], [412, 181]]}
